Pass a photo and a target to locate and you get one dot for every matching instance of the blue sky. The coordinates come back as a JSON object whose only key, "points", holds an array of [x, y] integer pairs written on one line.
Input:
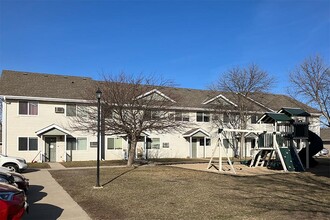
{"points": [[188, 41]]}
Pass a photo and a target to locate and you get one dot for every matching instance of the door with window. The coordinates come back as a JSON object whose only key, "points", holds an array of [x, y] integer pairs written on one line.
{"points": [[50, 149]]}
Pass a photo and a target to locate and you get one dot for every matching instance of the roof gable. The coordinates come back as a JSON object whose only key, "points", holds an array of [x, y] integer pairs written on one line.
{"points": [[155, 95], [219, 100], [52, 130], [196, 132]]}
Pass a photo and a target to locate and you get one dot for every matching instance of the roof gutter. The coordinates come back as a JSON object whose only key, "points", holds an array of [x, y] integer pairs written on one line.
{"points": [[45, 99]]}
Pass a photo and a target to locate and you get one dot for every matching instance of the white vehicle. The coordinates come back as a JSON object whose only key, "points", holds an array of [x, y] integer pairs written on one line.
{"points": [[15, 164], [323, 152]]}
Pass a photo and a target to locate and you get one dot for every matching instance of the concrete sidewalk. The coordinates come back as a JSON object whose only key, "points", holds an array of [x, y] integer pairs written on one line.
{"points": [[56, 166], [48, 200]]}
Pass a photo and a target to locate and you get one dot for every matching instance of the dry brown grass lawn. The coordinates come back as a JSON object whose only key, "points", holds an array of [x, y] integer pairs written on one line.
{"points": [[161, 192]]}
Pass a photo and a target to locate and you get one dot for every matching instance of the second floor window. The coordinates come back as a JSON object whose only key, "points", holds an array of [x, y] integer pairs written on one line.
{"points": [[254, 119], [181, 116], [203, 117], [28, 108], [71, 110]]}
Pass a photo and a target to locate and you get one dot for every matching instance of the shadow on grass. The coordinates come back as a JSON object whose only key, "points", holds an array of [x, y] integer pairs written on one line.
{"points": [[297, 194], [322, 168], [122, 174]]}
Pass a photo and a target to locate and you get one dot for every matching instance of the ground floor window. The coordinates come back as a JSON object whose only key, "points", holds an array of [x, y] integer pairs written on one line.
{"points": [[115, 143], [166, 145], [76, 143], [153, 143], [27, 143], [207, 142], [227, 143]]}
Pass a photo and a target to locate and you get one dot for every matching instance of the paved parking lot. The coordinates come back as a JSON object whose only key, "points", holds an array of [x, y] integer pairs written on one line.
{"points": [[48, 200]]}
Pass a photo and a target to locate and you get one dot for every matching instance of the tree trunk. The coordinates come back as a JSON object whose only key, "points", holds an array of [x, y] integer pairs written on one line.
{"points": [[131, 152], [242, 144]]}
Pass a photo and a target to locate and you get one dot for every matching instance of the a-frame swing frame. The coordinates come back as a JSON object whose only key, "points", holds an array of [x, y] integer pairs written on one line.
{"points": [[221, 147]]}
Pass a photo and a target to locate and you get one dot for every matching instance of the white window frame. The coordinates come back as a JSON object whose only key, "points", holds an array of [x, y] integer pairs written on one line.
{"points": [[114, 143], [76, 144], [204, 115], [66, 109], [28, 144], [28, 108], [151, 144]]}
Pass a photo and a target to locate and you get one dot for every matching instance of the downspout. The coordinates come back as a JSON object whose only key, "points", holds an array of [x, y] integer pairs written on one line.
{"points": [[4, 126]]}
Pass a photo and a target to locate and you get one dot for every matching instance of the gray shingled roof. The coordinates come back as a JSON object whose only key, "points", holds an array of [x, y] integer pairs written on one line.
{"points": [[15, 83]]}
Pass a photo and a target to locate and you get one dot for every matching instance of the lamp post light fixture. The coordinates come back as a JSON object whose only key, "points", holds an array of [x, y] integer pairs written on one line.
{"points": [[98, 96]]}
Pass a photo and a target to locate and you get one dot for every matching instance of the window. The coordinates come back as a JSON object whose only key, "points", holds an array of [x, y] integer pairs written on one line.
{"points": [[153, 143], [71, 143], [228, 143], [215, 117], [166, 145], [27, 143], [76, 143], [108, 113], [231, 118], [254, 119], [115, 143], [82, 111], [181, 116], [208, 142], [81, 143], [28, 108], [71, 110], [155, 115], [226, 118], [203, 117]]}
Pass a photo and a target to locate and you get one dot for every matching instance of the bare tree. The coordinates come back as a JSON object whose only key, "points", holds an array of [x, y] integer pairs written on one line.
{"points": [[130, 106], [239, 83], [311, 81]]}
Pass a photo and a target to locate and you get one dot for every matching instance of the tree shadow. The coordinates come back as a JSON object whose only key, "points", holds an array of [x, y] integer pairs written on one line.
{"points": [[40, 210], [292, 193], [322, 168], [123, 173]]}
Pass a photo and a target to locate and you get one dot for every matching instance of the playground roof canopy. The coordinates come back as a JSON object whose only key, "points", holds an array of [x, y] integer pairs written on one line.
{"points": [[294, 112], [270, 117]]}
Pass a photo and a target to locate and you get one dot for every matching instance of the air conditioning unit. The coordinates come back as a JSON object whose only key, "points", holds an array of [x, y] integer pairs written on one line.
{"points": [[59, 110]]}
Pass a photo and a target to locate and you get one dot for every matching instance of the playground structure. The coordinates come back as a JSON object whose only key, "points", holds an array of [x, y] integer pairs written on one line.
{"points": [[285, 142]]}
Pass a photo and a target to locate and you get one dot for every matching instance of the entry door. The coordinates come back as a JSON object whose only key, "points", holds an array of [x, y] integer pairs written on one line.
{"points": [[194, 148], [50, 149]]}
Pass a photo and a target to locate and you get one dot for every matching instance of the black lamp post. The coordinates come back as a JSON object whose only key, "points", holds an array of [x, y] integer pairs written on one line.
{"points": [[98, 96]]}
